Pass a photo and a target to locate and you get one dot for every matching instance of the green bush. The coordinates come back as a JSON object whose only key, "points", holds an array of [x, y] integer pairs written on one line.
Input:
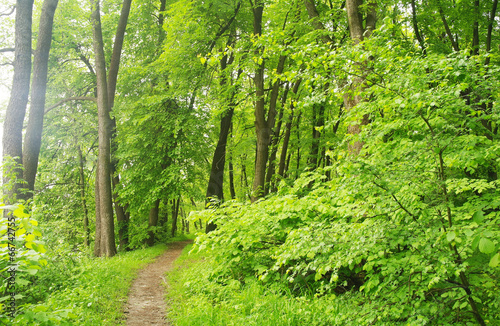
{"points": [[409, 228]]}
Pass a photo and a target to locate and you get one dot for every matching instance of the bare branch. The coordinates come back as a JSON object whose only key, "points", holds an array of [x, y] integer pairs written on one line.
{"points": [[9, 13], [76, 98]]}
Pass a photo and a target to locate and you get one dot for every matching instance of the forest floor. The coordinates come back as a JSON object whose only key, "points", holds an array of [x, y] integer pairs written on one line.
{"points": [[146, 301]]}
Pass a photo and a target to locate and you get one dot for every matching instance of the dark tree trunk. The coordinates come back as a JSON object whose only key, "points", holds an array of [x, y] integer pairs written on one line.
{"points": [[275, 140], [107, 245], [175, 214], [419, 37], [33, 138], [318, 123], [216, 182], [283, 166], [16, 109], [152, 222], [490, 30], [231, 176]]}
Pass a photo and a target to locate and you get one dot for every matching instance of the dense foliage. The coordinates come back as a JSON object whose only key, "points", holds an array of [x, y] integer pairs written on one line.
{"points": [[345, 153]]}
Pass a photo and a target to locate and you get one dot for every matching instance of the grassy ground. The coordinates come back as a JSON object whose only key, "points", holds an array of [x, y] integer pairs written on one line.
{"points": [[85, 290], [196, 299]]}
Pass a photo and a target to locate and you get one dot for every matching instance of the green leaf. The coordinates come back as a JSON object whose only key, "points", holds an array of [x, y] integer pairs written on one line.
{"points": [[495, 260], [450, 236], [486, 246], [478, 217]]}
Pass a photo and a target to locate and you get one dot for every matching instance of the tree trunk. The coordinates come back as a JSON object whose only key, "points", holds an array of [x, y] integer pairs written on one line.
{"points": [[33, 138], [317, 24], [16, 109], [107, 245], [216, 182], [275, 140], [175, 214], [231, 176], [152, 222], [318, 122], [97, 240], [286, 138], [263, 132], [86, 231], [358, 33], [121, 215]]}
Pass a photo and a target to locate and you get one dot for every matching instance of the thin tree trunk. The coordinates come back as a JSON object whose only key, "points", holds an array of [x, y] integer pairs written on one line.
{"points": [[175, 214], [490, 30], [231, 176], [97, 240], [33, 138], [108, 247], [415, 27], [86, 231], [152, 222], [454, 43], [475, 29], [318, 122], [270, 124], [16, 109], [283, 166]]}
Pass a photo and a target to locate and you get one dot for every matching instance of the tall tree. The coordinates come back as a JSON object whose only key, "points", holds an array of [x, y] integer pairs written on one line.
{"points": [[262, 129], [360, 27], [16, 109], [33, 138], [104, 210]]}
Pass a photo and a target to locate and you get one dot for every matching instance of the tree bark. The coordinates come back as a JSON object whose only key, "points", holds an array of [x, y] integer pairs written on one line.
{"points": [[33, 138], [121, 216], [318, 122], [97, 236], [108, 247], [152, 222], [288, 131], [175, 214], [263, 132], [358, 33], [231, 176], [215, 188], [314, 17], [86, 231], [490, 30], [415, 27], [16, 109]]}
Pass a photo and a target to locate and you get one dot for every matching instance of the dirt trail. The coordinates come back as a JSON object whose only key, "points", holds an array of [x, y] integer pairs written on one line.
{"points": [[146, 304]]}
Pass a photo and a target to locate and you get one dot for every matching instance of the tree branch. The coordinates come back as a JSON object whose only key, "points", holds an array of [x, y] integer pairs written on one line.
{"points": [[76, 98], [9, 13]]}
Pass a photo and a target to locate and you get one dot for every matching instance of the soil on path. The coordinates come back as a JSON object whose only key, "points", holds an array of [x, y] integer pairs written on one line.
{"points": [[146, 304]]}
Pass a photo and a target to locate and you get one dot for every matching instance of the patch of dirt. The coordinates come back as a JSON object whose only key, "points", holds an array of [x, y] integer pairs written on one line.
{"points": [[146, 304]]}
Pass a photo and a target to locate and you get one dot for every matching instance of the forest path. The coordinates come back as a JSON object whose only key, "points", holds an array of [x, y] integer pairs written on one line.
{"points": [[146, 300]]}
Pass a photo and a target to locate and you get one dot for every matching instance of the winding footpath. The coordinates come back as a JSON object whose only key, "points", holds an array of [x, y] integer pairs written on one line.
{"points": [[146, 301]]}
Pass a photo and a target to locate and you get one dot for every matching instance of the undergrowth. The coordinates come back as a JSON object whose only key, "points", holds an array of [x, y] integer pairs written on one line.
{"points": [[195, 298], [76, 289]]}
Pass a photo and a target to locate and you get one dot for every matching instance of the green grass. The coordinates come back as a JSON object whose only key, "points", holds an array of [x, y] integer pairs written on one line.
{"points": [[90, 291], [196, 299]]}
